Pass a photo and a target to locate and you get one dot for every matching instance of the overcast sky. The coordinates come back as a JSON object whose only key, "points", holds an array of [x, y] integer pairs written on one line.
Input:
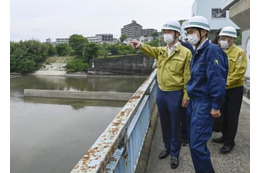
{"points": [[41, 19]]}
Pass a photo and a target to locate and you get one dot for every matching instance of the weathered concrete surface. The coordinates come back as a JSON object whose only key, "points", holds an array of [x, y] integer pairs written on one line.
{"points": [[52, 69], [129, 65], [238, 161], [240, 14], [89, 95]]}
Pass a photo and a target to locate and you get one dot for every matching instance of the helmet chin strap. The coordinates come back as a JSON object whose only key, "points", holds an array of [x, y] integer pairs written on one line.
{"points": [[200, 38]]}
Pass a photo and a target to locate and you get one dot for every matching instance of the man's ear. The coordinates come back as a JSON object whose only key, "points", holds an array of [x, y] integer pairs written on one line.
{"points": [[203, 33], [177, 34]]}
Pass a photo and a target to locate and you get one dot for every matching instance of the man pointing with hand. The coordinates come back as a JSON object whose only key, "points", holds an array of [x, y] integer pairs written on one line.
{"points": [[173, 72]]}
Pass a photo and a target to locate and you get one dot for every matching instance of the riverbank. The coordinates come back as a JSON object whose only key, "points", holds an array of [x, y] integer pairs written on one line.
{"points": [[137, 65]]}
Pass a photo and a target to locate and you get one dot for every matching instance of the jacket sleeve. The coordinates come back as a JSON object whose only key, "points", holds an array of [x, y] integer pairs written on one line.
{"points": [[186, 74], [150, 51], [216, 75], [240, 69]]}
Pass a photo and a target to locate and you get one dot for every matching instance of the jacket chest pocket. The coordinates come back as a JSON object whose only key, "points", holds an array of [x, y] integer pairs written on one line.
{"points": [[200, 69], [176, 65], [161, 59], [231, 64]]}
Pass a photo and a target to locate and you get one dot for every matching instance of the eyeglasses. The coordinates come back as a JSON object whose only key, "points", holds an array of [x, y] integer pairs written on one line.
{"points": [[190, 31], [223, 38], [166, 31]]}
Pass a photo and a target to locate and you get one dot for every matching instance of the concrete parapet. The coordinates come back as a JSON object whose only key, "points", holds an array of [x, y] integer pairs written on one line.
{"points": [[88, 95], [127, 65]]}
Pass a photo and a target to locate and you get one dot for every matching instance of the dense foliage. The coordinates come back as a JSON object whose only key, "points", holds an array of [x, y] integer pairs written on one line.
{"points": [[28, 56], [76, 65]]}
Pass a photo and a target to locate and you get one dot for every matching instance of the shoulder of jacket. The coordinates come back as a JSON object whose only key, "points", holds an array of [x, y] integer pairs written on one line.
{"points": [[236, 51], [214, 46], [184, 49], [239, 49]]}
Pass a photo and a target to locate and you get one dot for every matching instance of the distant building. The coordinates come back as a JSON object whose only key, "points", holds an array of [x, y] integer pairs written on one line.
{"points": [[62, 40], [105, 37], [48, 40], [145, 39], [132, 30], [148, 32], [114, 41], [135, 31], [141, 39], [94, 39], [102, 38], [217, 17]]}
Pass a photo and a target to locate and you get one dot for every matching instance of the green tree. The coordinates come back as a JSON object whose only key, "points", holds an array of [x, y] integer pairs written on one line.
{"points": [[155, 34], [26, 66], [76, 65], [63, 49], [103, 50], [156, 42], [113, 49], [27, 56], [77, 43], [52, 50], [238, 40], [181, 21], [90, 51], [123, 37], [125, 49]]}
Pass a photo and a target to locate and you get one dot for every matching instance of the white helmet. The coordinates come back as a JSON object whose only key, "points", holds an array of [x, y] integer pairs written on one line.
{"points": [[198, 22], [228, 31], [172, 25]]}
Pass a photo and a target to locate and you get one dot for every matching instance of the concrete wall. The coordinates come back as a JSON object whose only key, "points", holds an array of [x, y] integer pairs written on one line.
{"points": [[130, 65], [246, 47], [240, 14], [119, 96]]}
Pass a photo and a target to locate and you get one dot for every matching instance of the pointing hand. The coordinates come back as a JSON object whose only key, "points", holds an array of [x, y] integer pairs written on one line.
{"points": [[135, 44]]}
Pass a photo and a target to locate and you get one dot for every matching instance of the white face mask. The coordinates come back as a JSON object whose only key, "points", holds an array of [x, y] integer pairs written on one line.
{"points": [[224, 44], [193, 39], [168, 38]]}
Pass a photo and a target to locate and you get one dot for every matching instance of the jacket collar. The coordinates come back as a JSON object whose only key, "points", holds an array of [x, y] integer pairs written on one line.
{"points": [[177, 49], [204, 44], [230, 49]]}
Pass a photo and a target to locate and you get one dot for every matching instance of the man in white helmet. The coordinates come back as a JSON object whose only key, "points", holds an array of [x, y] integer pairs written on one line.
{"points": [[172, 75], [206, 89], [234, 88]]}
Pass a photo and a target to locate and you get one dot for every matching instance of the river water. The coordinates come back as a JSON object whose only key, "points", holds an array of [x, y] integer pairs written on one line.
{"points": [[51, 135]]}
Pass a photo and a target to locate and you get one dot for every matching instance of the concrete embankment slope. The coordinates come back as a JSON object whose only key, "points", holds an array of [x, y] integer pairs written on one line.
{"points": [[52, 69], [54, 66]]}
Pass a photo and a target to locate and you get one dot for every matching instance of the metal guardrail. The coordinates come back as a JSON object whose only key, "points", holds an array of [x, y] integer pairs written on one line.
{"points": [[118, 148]]}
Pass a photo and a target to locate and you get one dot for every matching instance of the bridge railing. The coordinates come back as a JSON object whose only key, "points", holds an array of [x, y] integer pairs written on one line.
{"points": [[118, 148]]}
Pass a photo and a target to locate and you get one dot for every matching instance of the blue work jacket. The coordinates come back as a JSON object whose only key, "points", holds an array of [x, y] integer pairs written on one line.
{"points": [[209, 69]]}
